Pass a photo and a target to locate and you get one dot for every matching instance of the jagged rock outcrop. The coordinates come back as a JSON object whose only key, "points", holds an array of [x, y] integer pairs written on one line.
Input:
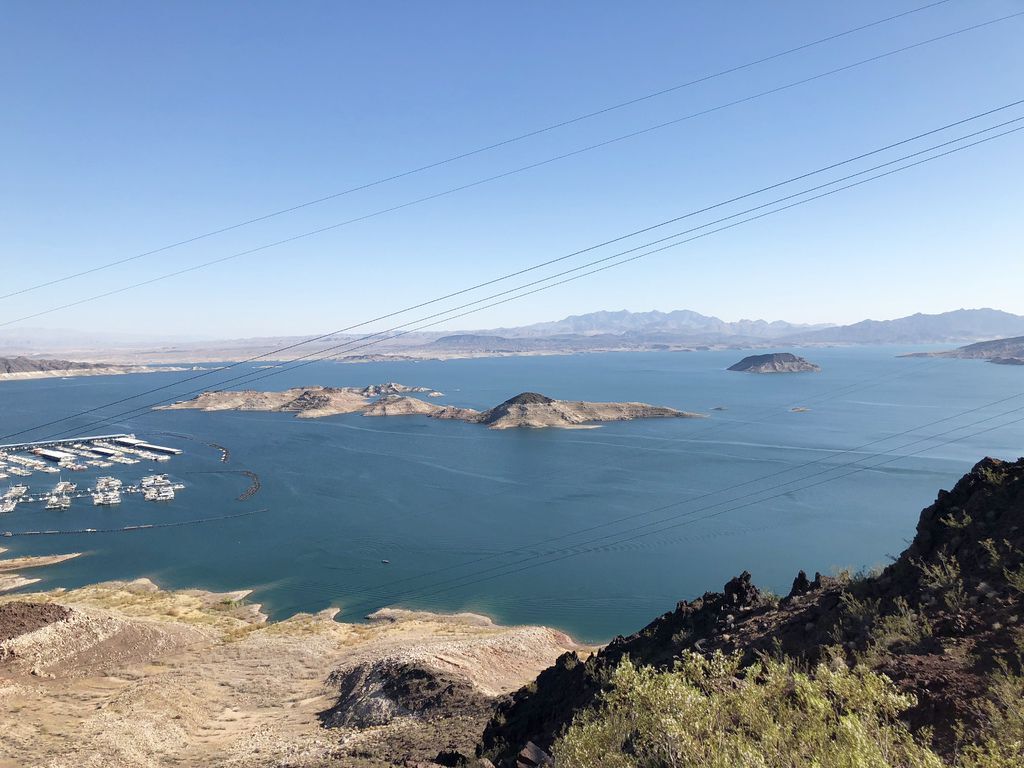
{"points": [[400, 405], [962, 577], [376, 693], [777, 362]]}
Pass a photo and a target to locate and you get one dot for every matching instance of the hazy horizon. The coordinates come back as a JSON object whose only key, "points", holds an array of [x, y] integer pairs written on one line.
{"points": [[173, 167]]}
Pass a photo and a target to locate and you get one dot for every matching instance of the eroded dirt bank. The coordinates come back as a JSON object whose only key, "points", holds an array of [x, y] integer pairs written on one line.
{"points": [[126, 674]]}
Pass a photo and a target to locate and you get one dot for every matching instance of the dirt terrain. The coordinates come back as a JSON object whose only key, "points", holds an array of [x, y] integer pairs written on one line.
{"points": [[126, 674]]}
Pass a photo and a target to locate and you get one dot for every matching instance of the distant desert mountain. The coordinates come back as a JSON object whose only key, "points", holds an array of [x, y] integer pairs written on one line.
{"points": [[1001, 351], [776, 362], [962, 325], [682, 321]]}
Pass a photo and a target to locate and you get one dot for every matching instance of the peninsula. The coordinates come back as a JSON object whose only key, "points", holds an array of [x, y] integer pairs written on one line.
{"points": [[16, 368], [999, 351], [528, 409], [778, 362]]}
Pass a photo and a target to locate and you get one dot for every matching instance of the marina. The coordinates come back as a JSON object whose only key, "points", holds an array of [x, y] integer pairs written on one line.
{"points": [[78, 454], [108, 491], [23, 460]]}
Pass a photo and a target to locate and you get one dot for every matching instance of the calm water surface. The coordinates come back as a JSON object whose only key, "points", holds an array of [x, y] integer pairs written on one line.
{"points": [[527, 526]]}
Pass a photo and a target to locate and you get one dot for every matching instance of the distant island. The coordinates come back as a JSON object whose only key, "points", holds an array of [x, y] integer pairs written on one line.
{"points": [[528, 409], [999, 351], [777, 362], [14, 368]]}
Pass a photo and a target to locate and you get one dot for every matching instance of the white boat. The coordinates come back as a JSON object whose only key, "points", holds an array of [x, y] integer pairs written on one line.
{"points": [[64, 487], [58, 501], [107, 484], [16, 491], [106, 498], [8, 505], [155, 481]]}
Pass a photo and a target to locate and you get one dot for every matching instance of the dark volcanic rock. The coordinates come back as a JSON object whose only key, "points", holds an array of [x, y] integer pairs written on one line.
{"points": [[449, 712], [20, 618], [777, 362], [975, 622], [528, 398], [376, 693]]}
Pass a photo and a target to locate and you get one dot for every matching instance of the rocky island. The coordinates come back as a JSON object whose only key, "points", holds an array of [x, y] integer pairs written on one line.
{"points": [[528, 409], [777, 362]]}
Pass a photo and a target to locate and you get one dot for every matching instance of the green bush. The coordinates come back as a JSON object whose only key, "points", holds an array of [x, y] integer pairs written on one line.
{"points": [[703, 715], [1002, 740]]}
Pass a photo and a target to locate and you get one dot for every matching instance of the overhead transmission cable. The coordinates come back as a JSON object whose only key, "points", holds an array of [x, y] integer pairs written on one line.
{"points": [[505, 174], [618, 539], [528, 269], [381, 336], [477, 151]]}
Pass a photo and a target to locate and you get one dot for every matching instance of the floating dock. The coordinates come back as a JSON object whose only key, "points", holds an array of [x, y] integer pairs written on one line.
{"points": [[75, 454]]}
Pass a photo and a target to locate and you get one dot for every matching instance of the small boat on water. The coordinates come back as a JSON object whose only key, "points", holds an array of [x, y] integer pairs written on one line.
{"points": [[58, 501], [106, 498]]}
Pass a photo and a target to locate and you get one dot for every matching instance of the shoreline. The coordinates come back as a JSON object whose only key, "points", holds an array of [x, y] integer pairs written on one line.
{"points": [[145, 675], [74, 373]]}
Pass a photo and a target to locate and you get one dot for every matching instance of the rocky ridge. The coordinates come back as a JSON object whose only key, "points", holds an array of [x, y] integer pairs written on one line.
{"points": [[937, 621]]}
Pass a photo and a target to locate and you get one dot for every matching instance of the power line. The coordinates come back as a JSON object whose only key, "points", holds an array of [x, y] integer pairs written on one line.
{"points": [[480, 150], [447, 318], [566, 553], [506, 174], [534, 267]]}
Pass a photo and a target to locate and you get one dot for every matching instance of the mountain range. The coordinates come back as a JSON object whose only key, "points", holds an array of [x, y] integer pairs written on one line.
{"points": [[620, 331]]}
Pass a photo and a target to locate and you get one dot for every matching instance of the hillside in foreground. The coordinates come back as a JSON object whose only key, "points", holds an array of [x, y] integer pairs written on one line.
{"points": [[942, 623]]}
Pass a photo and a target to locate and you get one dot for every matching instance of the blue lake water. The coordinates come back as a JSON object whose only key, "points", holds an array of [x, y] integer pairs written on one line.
{"points": [[593, 531]]}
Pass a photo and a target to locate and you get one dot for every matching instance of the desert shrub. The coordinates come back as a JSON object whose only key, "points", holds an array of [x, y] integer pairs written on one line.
{"points": [[1014, 576], [903, 626], [702, 715], [1001, 744], [952, 521], [943, 577]]}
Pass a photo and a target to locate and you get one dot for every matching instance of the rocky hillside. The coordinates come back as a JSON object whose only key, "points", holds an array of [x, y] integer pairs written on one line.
{"points": [[778, 362], [938, 621]]}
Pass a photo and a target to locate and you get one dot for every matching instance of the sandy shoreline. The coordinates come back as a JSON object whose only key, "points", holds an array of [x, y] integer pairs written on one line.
{"points": [[11, 580], [73, 373], [134, 675]]}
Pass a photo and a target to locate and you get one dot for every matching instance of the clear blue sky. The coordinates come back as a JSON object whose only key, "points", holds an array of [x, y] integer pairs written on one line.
{"points": [[129, 125]]}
